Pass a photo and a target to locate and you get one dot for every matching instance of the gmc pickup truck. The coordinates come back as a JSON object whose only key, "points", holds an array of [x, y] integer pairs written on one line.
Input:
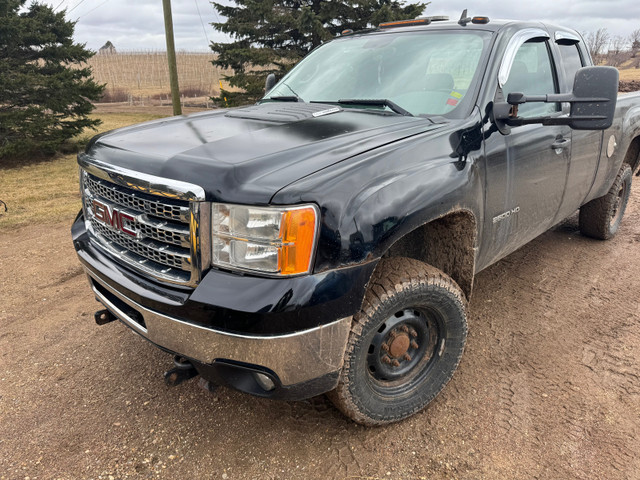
{"points": [[325, 239]]}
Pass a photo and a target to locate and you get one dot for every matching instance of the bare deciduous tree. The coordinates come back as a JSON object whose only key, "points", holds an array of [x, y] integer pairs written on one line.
{"points": [[596, 43], [617, 53], [634, 41]]}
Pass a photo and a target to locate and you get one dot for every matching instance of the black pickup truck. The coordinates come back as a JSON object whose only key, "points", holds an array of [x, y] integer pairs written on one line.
{"points": [[326, 239]]}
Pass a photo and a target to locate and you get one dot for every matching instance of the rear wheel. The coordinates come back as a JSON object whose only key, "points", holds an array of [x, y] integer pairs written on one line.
{"points": [[601, 217], [404, 344]]}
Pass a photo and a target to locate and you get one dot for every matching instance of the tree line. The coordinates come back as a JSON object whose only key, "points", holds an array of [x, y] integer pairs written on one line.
{"points": [[613, 50]]}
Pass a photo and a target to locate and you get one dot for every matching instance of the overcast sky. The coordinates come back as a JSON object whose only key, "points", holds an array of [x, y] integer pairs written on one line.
{"points": [[138, 24]]}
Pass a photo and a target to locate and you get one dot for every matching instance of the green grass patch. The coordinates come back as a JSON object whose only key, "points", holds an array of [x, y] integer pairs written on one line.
{"points": [[47, 190]]}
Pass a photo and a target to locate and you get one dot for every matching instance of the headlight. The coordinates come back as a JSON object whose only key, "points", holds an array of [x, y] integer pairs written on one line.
{"points": [[273, 240]]}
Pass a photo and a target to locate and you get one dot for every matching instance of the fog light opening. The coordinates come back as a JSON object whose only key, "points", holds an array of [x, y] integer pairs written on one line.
{"points": [[264, 381]]}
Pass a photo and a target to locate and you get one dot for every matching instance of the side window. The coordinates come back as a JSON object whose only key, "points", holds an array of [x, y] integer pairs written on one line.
{"points": [[532, 73], [571, 62]]}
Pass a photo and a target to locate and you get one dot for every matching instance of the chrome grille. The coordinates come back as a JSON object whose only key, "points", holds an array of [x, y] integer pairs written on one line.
{"points": [[129, 199], [151, 251], [158, 236]]}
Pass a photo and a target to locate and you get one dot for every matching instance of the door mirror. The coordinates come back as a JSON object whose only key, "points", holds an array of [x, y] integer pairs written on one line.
{"points": [[269, 83], [595, 93], [593, 102]]}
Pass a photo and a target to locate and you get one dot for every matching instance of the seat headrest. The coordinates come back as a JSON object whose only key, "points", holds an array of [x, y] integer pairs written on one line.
{"points": [[439, 81]]}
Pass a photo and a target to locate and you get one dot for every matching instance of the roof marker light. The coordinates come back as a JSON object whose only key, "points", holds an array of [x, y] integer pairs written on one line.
{"points": [[480, 20], [406, 23]]}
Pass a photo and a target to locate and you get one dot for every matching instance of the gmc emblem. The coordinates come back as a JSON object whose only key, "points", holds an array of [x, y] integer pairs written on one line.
{"points": [[113, 218]]}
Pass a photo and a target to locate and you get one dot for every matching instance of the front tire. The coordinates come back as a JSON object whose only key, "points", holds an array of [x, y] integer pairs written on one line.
{"points": [[601, 217], [404, 344]]}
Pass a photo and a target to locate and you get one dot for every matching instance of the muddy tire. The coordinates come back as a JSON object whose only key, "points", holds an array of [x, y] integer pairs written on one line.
{"points": [[601, 217], [404, 344]]}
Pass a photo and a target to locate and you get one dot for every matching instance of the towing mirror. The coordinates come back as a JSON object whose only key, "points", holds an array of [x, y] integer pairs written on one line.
{"points": [[593, 102], [269, 83]]}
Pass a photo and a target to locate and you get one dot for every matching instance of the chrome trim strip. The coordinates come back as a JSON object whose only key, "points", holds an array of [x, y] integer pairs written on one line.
{"points": [[295, 358], [515, 43], [162, 187], [200, 227]]}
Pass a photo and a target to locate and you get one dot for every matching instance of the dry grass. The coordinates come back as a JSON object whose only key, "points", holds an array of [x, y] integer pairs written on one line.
{"points": [[630, 74], [47, 191]]}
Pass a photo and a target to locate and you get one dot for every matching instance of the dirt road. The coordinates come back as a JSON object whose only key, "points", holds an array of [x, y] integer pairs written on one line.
{"points": [[549, 387]]}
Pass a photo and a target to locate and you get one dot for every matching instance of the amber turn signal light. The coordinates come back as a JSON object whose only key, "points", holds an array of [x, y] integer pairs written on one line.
{"points": [[298, 233]]}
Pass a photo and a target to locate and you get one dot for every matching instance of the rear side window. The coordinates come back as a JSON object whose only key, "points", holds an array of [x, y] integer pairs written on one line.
{"points": [[571, 62], [532, 73]]}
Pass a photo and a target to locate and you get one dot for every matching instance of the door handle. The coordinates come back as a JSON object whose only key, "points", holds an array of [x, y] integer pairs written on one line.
{"points": [[560, 143]]}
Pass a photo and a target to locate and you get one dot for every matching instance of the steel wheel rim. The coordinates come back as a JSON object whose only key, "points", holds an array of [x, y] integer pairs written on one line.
{"points": [[425, 331]]}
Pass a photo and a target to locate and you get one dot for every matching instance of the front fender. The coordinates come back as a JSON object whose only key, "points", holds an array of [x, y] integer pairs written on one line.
{"points": [[370, 201]]}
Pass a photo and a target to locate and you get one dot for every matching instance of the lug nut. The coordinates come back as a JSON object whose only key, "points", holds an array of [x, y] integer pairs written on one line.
{"points": [[384, 347], [386, 359], [393, 333], [396, 363], [404, 328], [407, 357], [413, 333], [414, 345]]}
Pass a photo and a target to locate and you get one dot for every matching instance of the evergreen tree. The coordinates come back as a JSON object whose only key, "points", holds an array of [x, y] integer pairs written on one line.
{"points": [[45, 95], [270, 36]]}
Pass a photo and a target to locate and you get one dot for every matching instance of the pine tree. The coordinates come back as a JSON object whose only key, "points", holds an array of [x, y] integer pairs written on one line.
{"points": [[45, 94], [270, 36]]}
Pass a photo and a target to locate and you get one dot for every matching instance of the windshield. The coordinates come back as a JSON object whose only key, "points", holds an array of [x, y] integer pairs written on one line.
{"points": [[425, 73]]}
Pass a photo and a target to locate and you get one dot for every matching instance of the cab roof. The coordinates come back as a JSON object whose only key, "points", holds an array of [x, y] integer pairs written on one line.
{"points": [[493, 25]]}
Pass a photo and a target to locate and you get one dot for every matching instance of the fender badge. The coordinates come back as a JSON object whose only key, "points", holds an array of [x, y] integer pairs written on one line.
{"points": [[506, 214]]}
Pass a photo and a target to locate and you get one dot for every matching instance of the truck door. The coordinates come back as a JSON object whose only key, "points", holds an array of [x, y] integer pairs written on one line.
{"points": [[526, 170], [585, 144]]}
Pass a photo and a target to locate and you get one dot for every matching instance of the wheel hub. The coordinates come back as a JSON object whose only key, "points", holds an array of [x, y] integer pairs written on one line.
{"points": [[399, 345], [402, 342]]}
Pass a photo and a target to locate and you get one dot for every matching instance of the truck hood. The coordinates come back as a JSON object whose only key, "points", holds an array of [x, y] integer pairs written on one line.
{"points": [[246, 155]]}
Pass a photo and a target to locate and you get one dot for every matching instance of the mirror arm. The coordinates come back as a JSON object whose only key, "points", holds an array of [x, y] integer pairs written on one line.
{"points": [[520, 98], [549, 121]]}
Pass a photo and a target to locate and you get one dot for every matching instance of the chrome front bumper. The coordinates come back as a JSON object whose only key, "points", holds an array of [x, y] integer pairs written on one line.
{"points": [[295, 358]]}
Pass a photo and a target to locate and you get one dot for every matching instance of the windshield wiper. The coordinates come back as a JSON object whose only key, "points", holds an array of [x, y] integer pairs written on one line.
{"points": [[381, 102]]}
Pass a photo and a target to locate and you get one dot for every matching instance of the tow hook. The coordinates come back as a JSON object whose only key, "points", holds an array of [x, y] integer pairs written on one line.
{"points": [[102, 317], [182, 372]]}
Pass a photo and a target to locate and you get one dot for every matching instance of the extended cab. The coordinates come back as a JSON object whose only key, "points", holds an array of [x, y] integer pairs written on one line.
{"points": [[326, 239]]}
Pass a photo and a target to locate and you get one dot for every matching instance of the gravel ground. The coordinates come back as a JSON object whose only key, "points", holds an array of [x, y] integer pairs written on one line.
{"points": [[549, 387]]}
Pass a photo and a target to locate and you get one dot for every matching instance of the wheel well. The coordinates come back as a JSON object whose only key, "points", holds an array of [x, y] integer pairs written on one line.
{"points": [[447, 243], [632, 156]]}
